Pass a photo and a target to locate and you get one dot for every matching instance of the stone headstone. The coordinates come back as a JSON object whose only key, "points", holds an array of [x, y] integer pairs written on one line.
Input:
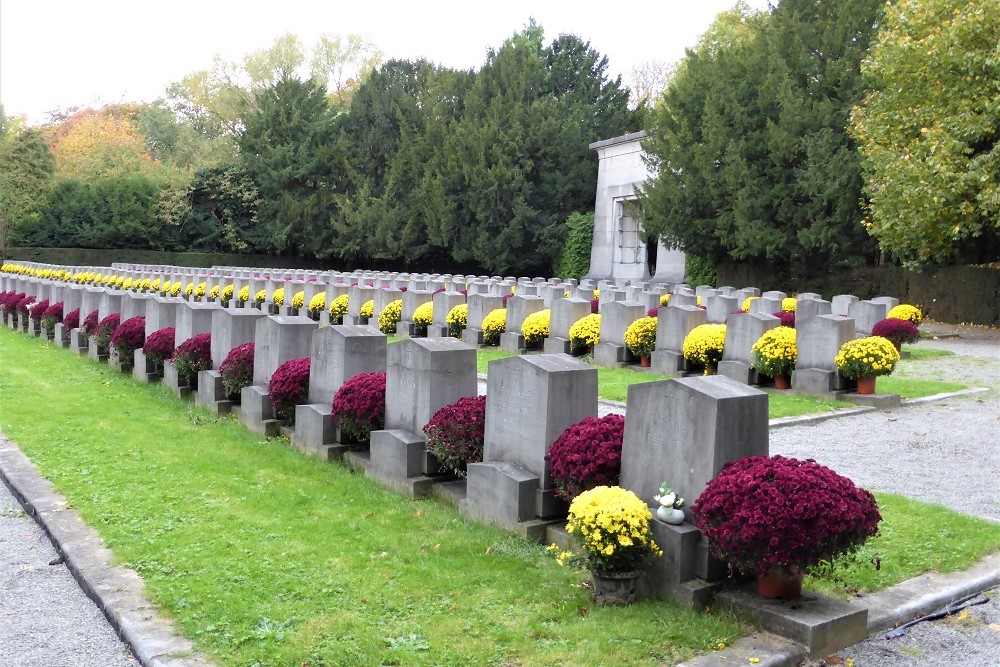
{"points": [[339, 353], [742, 331], [808, 308], [773, 294], [444, 302], [765, 305], [719, 308], [818, 340], [161, 312], [684, 431], [532, 400], [678, 299], [231, 328], [616, 317], [842, 304], [674, 323], [194, 318], [890, 301], [866, 315], [480, 305], [110, 303], [518, 308], [277, 339], [565, 313]]}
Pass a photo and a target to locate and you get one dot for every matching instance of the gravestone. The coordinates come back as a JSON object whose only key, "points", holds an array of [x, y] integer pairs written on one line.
{"points": [[518, 308], [110, 303], [337, 354], [133, 305], [565, 313], [383, 297], [806, 309], [532, 400], [277, 339], [616, 316], [423, 375], [720, 307], [818, 341], [412, 299], [480, 305], [193, 318], [357, 296], [866, 315], [773, 294], [890, 301], [842, 304], [742, 331], [678, 299], [765, 305], [444, 302], [673, 325], [231, 327], [682, 432]]}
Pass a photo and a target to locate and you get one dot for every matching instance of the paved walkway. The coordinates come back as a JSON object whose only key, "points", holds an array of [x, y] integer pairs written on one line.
{"points": [[45, 619]]}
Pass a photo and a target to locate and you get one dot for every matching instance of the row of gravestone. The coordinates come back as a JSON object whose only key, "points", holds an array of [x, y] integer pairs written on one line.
{"points": [[682, 431], [815, 373]]}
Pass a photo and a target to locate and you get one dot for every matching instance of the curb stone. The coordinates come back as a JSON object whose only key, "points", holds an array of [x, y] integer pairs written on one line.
{"points": [[767, 649], [116, 590]]}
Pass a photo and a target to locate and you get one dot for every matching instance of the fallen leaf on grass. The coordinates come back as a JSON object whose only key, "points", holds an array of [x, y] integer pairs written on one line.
{"points": [[995, 627]]}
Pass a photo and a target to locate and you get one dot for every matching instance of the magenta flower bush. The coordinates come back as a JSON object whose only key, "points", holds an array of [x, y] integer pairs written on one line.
{"points": [[192, 356], [359, 407], [595, 306], [159, 345], [24, 305], [587, 454], [89, 326], [237, 369], [72, 319], [102, 335], [765, 512], [127, 338], [289, 386], [898, 331], [52, 316], [38, 310], [653, 312], [9, 301], [456, 432], [787, 318]]}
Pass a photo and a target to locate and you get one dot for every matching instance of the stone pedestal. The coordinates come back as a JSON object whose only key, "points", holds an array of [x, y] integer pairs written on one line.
{"points": [[211, 394], [257, 412], [97, 352], [78, 342], [172, 380], [143, 369]]}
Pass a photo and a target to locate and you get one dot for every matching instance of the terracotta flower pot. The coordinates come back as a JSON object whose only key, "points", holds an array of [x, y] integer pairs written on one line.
{"points": [[782, 382], [644, 361], [866, 384], [778, 584]]}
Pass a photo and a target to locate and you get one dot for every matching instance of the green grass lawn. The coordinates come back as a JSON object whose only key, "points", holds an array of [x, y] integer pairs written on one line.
{"points": [[914, 538], [266, 556], [613, 384]]}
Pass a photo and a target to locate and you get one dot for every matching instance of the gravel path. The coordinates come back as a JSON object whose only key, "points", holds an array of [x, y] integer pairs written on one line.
{"points": [[45, 619]]}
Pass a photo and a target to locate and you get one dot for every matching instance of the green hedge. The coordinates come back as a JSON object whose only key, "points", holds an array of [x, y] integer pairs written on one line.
{"points": [[954, 294]]}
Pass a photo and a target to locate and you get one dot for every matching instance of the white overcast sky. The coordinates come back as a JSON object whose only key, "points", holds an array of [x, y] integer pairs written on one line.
{"points": [[56, 54]]}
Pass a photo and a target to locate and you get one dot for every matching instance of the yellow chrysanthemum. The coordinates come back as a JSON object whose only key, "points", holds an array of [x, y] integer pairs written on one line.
{"points": [[535, 327]]}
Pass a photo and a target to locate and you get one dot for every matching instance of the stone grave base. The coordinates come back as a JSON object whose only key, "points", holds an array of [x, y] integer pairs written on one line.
{"points": [[78, 342], [821, 383], [473, 337], [742, 372], [400, 461], [666, 362], [143, 369], [611, 355], [452, 492], [513, 342], [553, 345], [880, 401], [97, 353], [61, 335], [510, 497], [257, 413], [171, 379], [211, 394], [358, 461], [437, 331], [316, 428], [820, 623]]}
